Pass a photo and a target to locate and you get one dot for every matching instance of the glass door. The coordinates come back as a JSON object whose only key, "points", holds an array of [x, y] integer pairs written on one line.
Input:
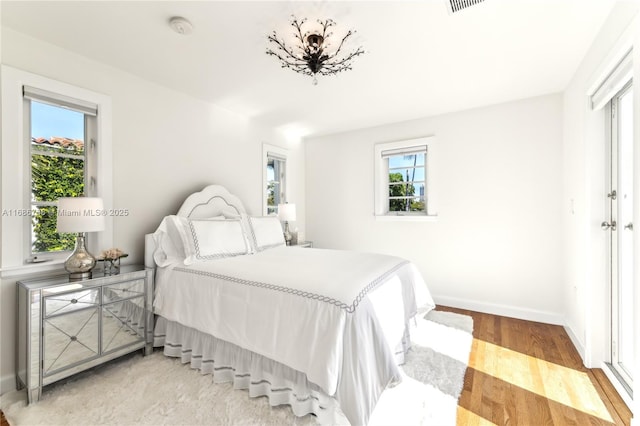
{"points": [[620, 226]]}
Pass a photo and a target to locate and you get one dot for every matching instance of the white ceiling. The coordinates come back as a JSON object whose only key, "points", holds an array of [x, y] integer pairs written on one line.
{"points": [[420, 60]]}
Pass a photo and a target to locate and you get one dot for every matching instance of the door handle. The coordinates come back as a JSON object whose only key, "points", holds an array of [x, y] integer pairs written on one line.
{"points": [[606, 225], [629, 226]]}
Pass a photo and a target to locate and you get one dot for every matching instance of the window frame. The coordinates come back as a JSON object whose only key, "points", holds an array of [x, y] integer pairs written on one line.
{"points": [[89, 158], [15, 202], [271, 151], [381, 180]]}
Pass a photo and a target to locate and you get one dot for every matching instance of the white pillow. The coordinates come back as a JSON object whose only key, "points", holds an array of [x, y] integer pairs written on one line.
{"points": [[266, 232], [168, 240], [246, 226], [206, 239]]}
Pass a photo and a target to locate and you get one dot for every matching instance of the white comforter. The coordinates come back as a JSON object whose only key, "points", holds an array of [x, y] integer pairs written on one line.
{"points": [[338, 316]]}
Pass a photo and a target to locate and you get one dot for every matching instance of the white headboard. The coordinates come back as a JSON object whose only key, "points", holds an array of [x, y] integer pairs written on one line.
{"points": [[213, 200]]}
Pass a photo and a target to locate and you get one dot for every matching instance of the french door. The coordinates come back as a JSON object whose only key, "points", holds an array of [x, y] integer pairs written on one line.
{"points": [[620, 229]]}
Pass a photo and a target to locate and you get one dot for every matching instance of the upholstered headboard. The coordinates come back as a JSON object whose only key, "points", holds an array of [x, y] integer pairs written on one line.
{"points": [[213, 200]]}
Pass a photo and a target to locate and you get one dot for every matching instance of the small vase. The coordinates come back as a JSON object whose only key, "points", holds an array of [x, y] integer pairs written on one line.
{"points": [[112, 266]]}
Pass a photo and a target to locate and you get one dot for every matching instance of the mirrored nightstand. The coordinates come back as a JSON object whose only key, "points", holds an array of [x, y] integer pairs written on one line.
{"points": [[66, 327]]}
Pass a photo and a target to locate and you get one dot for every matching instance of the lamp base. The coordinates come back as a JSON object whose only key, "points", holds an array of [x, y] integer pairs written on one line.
{"points": [[287, 234], [80, 276], [80, 263]]}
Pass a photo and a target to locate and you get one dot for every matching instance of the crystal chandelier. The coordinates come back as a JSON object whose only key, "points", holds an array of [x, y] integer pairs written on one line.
{"points": [[313, 54]]}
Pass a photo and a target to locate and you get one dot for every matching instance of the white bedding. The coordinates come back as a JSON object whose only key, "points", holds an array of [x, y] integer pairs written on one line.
{"points": [[339, 317]]}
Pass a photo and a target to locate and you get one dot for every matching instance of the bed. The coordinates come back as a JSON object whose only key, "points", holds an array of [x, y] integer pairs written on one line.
{"points": [[320, 330]]}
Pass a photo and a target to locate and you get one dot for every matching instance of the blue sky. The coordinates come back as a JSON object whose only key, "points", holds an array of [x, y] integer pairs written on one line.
{"points": [[48, 121]]}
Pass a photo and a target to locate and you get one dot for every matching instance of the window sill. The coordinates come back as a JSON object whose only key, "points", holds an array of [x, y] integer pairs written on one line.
{"points": [[406, 218], [33, 268]]}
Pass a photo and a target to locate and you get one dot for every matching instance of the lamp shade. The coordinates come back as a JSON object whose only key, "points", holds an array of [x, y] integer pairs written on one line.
{"points": [[80, 214], [287, 212]]}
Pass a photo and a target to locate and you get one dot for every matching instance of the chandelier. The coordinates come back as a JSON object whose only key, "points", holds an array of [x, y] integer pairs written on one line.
{"points": [[313, 53]]}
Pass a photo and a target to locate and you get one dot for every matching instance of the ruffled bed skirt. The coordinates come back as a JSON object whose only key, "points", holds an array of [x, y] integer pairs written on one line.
{"points": [[247, 370]]}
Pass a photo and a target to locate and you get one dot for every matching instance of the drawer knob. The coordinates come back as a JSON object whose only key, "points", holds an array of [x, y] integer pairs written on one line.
{"points": [[74, 301]]}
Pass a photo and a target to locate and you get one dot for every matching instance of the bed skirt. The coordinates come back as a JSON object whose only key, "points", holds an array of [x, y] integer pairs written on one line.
{"points": [[261, 376]]}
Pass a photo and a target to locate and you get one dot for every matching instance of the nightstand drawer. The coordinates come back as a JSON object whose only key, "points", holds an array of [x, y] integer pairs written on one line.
{"points": [[62, 303], [123, 323], [121, 291], [70, 339]]}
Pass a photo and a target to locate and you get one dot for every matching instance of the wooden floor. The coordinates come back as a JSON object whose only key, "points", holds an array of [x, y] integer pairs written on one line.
{"points": [[528, 373]]}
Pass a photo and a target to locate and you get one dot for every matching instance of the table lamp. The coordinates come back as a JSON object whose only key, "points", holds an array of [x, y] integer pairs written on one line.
{"points": [[80, 215], [286, 213]]}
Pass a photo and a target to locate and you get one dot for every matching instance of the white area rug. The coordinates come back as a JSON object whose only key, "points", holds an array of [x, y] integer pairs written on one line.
{"points": [[156, 390]]}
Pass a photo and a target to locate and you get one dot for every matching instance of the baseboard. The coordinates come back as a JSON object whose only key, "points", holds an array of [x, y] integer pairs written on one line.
{"points": [[502, 310], [7, 384], [579, 345]]}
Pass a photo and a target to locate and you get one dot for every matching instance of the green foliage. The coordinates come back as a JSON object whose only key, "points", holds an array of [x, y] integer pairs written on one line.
{"points": [[53, 177], [401, 205], [417, 206], [271, 194]]}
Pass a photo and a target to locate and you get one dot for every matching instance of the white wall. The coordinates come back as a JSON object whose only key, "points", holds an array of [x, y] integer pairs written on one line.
{"points": [[166, 145], [497, 244]]}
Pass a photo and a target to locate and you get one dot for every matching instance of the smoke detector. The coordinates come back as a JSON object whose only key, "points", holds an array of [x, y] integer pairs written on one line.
{"points": [[180, 25]]}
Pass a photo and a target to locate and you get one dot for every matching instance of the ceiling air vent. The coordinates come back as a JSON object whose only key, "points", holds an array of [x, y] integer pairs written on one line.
{"points": [[457, 5]]}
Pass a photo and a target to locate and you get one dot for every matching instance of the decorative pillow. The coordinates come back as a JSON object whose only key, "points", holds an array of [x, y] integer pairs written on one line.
{"points": [[168, 240], [266, 232], [206, 239], [246, 226]]}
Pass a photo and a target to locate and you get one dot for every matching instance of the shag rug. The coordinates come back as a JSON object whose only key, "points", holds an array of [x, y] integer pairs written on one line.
{"points": [[157, 390]]}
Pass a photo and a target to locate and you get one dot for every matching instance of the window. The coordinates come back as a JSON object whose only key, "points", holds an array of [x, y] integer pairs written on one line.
{"points": [[60, 163], [402, 179], [36, 172], [275, 178]]}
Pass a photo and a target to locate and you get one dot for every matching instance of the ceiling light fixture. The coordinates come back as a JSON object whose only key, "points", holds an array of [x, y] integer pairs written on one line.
{"points": [[180, 25], [454, 6], [313, 53]]}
